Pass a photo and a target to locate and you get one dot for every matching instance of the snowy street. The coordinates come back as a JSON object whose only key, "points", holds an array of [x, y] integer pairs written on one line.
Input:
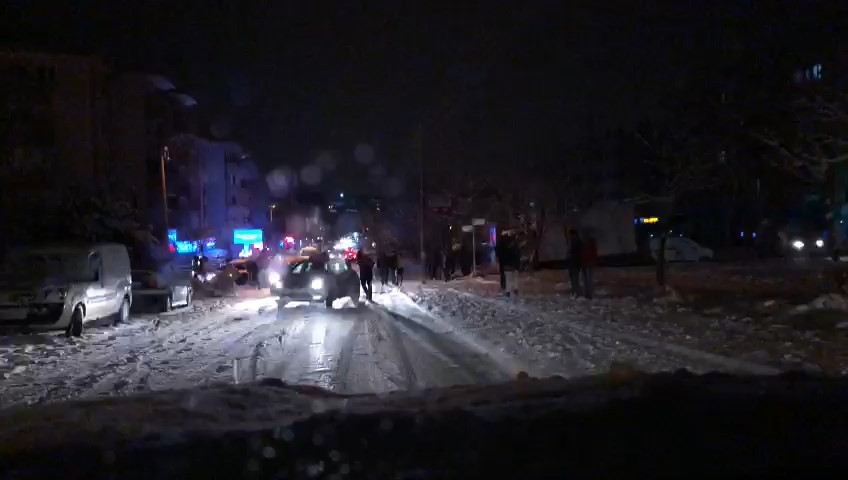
{"points": [[437, 334], [381, 347]]}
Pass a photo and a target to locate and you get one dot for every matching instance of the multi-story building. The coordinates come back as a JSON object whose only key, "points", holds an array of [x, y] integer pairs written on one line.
{"points": [[214, 188], [67, 123], [55, 115], [149, 117]]}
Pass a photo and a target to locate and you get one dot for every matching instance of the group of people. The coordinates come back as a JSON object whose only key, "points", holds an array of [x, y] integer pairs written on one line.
{"points": [[582, 260], [389, 266], [441, 263]]}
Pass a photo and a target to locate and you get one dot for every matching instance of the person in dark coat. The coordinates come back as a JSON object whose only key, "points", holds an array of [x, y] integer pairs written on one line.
{"points": [[445, 255], [501, 252], [588, 262], [383, 268], [575, 245], [366, 272], [512, 264], [392, 261], [436, 266]]}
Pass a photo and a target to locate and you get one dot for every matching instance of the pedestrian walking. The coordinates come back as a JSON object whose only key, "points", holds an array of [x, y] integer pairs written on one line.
{"points": [[574, 247], [366, 273], [501, 252], [401, 263], [512, 263], [445, 258], [393, 266], [435, 260], [588, 262], [383, 268]]}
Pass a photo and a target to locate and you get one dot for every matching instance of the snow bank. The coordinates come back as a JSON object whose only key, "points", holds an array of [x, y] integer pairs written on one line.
{"points": [[571, 337]]}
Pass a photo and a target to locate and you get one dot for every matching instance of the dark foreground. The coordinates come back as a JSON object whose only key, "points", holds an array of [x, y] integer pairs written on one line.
{"points": [[624, 424]]}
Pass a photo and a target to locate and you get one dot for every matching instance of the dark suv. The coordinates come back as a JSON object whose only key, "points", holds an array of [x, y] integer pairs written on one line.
{"points": [[316, 281]]}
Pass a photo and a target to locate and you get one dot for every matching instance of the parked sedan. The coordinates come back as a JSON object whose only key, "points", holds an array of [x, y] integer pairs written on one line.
{"points": [[168, 287]]}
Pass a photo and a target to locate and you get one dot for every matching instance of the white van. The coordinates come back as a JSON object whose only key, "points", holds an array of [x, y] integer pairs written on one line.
{"points": [[63, 287]]}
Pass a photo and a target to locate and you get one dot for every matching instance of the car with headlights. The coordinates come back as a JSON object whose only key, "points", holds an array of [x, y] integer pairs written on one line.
{"points": [[316, 279], [65, 286], [803, 244]]}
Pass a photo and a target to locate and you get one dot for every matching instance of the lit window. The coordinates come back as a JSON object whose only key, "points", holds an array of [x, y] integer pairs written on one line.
{"points": [[817, 71]]}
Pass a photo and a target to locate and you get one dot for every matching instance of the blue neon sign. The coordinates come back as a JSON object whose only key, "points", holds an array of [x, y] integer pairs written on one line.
{"points": [[172, 235], [186, 246], [245, 236]]}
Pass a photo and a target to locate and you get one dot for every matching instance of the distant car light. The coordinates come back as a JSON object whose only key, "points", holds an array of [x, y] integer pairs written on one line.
{"points": [[278, 285], [317, 283], [798, 245], [274, 277], [820, 243]]}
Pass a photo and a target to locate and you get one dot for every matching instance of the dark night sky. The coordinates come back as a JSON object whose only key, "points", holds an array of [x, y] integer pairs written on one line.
{"points": [[296, 76]]}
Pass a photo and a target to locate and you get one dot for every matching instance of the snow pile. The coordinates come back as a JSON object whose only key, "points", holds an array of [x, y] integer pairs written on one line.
{"points": [[832, 301], [569, 337], [808, 339]]}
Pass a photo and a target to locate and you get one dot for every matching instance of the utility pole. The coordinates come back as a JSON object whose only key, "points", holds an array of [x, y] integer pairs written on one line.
{"points": [[162, 158], [419, 147]]}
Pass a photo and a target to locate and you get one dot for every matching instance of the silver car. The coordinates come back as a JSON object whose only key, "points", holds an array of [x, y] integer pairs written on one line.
{"points": [[167, 287]]}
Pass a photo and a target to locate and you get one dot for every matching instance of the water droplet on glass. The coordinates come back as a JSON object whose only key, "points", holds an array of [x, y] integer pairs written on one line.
{"points": [[310, 175], [269, 452], [326, 160], [364, 153]]}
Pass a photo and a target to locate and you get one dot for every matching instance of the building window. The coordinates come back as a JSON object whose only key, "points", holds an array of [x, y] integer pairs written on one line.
{"points": [[233, 200], [233, 179]]}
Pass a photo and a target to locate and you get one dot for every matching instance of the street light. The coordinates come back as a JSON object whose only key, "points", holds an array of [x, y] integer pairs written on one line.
{"points": [[341, 195], [271, 212]]}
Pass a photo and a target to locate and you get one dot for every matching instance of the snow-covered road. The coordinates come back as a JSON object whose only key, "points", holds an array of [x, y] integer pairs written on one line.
{"points": [[385, 346]]}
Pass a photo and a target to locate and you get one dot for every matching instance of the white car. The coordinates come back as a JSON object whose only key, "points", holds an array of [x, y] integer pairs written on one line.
{"points": [[64, 287], [680, 249]]}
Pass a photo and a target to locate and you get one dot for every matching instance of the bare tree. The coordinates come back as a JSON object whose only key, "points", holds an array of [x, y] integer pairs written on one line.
{"points": [[810, 136], [677, 162]]}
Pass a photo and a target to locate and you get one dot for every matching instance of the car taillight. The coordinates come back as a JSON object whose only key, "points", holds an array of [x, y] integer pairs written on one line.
{"points": [[151, 283]]}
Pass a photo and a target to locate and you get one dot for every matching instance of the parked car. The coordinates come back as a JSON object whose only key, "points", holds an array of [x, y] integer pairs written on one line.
{"points": [[681, 249], [64, 287], [317, 281], [168, 286]]}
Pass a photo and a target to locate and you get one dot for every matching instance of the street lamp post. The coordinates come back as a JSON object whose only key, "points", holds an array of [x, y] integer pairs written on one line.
{"points": [[271, 212]]}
